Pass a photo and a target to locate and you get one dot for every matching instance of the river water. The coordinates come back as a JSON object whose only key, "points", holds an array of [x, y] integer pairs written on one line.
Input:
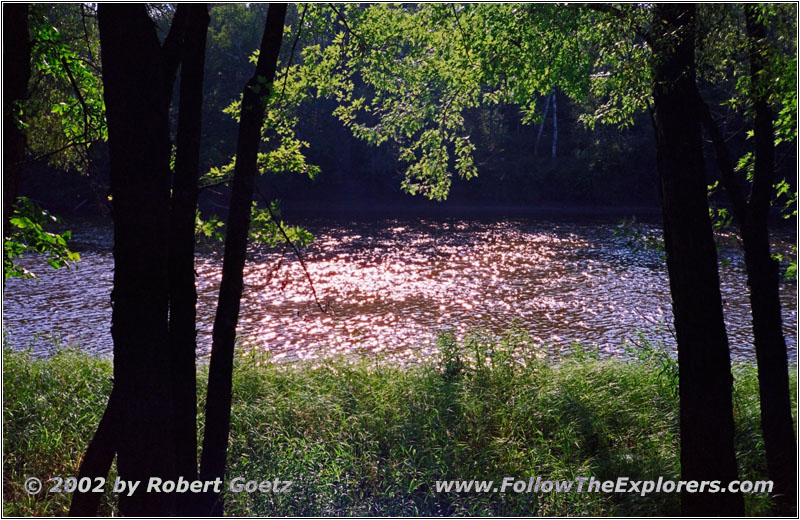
{"points": [[388, 286]]}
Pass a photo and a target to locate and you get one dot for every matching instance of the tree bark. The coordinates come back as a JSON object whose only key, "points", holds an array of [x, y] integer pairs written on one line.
{"points": [[17, 72], [706, 413], [97, 459], [137, 111], [763, 277], [182, 291], [218, 402]]}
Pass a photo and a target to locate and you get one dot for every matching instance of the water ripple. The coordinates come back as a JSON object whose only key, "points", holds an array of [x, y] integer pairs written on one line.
{"points": [[390, 285]]}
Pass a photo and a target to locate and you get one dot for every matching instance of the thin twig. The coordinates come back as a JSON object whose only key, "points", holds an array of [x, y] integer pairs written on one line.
{"points": [[347, 27], [54, 152], [323, 309], [79, 96], [215, 184], [86, 32], [461, 30], [294, 44]]}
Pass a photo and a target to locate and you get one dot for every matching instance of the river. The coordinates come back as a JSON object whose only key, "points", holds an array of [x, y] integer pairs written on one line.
{"points": [[388, 286]]}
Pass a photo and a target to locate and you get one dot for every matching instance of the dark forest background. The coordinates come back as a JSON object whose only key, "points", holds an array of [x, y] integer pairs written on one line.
{"points": [[607, 167]]}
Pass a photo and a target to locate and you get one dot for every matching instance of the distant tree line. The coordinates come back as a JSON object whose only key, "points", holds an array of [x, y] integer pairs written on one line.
{"points": [[441, 91]]}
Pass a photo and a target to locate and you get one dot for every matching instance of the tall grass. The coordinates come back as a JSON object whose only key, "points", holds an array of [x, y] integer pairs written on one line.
{"points": [[361, 437]]}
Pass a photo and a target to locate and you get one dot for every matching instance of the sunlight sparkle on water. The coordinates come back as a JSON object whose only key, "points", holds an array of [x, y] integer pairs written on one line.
{"points": [[390, 286]]}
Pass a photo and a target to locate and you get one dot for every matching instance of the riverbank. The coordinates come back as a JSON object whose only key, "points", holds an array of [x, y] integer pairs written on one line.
{"points": [[358, 437]]}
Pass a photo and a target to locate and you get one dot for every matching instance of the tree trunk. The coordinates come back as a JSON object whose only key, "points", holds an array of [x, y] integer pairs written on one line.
{"points": [[182, 291], [97, 460], [706, 413], [137, 111], [218, 402], [110, 436], [777, 424], [541, 127], [17, 72], [763, 278], [555, 126]]}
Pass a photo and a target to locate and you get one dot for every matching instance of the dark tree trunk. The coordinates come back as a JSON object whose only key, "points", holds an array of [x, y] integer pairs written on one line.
{"points": [[763, 278], [706, 413], [177, 382], [16, 73], [137, 110], [182, 291], [777, 424], [218, 402], [97, 459]]}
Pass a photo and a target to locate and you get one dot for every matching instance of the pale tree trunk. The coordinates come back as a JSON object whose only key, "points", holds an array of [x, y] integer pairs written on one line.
{"points": [[555, 126], [541, 127]]}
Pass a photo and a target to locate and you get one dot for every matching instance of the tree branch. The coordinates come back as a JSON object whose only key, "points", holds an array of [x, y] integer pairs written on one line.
{"points": [[724, 163], [56, 151], [294, 44], [79, 96], [347, 27], [288, 241]]}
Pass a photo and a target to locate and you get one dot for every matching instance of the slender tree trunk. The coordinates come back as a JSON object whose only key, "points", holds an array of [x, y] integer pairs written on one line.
{"points": [[182, 291], [541, 127], [139, 140], [555, 126], [763, 277], [777, 424], [16, 72], [218, 402], [706, 413], [97, 459]]}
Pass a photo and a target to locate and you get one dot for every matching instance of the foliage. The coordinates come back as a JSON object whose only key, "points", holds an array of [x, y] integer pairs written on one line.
{"points": [[408, 75], [209, 228], [63, 115], [28, 224], [411, 75], [265, 228], [360, 437], [724, 61], [65, 112], [638, 238], [790, 270]]}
